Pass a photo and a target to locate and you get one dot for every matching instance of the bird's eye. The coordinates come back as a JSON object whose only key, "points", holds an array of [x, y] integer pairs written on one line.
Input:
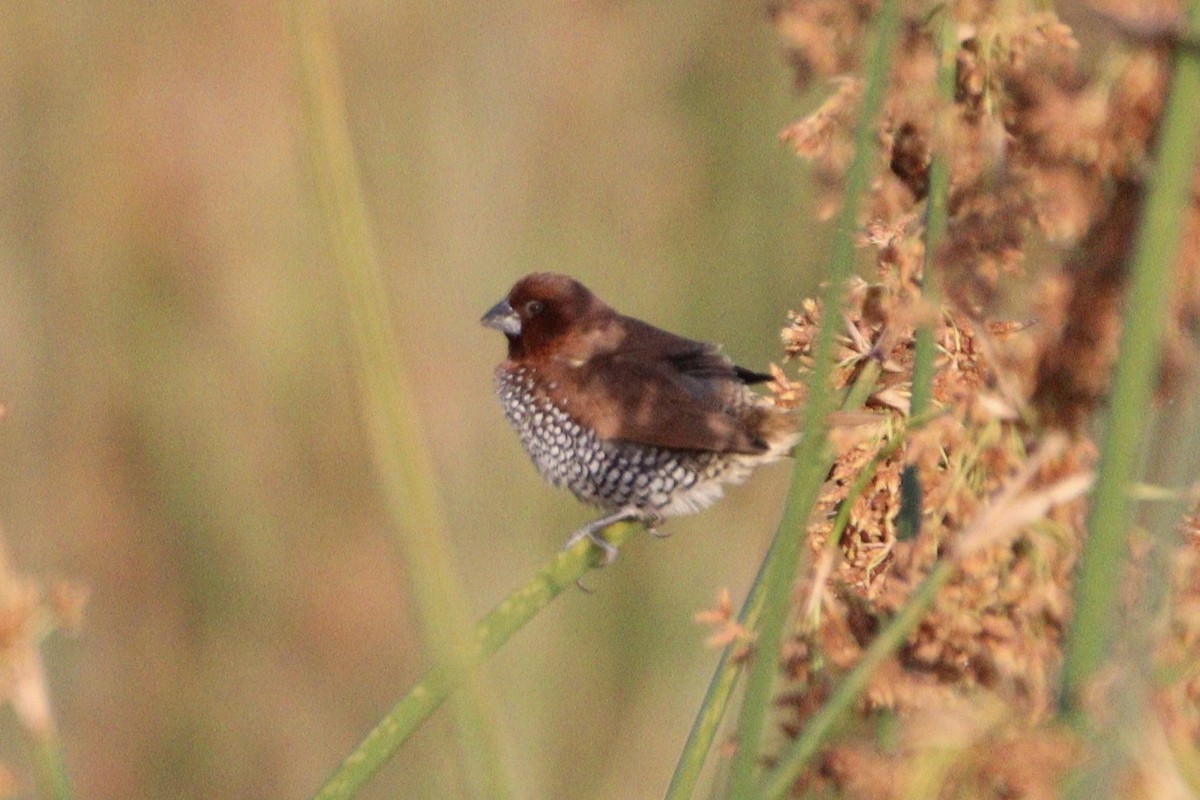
{"points": [[534, 307]]}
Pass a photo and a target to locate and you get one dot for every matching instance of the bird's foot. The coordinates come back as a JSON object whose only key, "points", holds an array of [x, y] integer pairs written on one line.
{"points": [[652, 522], [592, 530]]}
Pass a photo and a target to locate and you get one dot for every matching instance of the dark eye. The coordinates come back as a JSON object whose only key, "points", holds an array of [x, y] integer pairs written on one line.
{"points": [[533, 308]]}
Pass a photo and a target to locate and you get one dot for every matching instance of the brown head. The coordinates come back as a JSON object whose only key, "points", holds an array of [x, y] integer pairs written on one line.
{"points": [[541, 310]]}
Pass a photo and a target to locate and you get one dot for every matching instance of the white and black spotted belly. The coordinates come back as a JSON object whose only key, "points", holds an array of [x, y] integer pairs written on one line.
{"points": [[658, 481]]}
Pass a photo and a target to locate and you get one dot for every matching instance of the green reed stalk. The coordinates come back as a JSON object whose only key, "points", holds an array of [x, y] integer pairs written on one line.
{"points": [[812, 461], [720, 688], [53, 781], [821, 725], [1156, 251], [402, 463], [488, 636], [936, 217]]}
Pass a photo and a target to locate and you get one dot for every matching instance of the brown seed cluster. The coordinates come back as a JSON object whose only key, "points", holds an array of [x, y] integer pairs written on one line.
{"points": [[1044, 154], [1046, 157], [1000, 621]]}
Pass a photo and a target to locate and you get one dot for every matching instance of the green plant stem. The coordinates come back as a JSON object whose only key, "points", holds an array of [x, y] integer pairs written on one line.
{"points": [[936, 218], [783, 559], [861, 481], [720, 688], [863, 387], [1156, 252], [489, 635], [817, 729], [405, 475], [908, 519], [1008, 512], [716, 700], [53, 781]]}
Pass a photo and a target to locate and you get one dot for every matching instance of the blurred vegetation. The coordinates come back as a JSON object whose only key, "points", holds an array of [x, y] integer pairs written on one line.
{"points": [[183, 432], [240, 354]]}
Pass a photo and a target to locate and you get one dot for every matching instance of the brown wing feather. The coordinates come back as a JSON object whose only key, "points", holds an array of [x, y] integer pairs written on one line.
{"points": [[637, 383], [691, 357]]}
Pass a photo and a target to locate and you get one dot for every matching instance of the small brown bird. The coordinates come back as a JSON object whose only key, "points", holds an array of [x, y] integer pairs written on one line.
{"points": [[633, 419]]}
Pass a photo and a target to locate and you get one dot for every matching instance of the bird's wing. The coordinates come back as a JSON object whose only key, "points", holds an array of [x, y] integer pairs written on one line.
{"points": [[655, 388], [691, 358]]}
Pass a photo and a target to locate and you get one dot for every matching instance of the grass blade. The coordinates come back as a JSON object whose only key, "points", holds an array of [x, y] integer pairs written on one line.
{"points": [[783, 559], [1093, 628]]}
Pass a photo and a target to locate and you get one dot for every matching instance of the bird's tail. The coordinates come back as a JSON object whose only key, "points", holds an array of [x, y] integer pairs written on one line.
{"points": [[776, 430]]}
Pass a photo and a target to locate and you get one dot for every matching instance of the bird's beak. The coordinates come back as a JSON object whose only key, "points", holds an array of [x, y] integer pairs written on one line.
{"points": [[502, 317]]}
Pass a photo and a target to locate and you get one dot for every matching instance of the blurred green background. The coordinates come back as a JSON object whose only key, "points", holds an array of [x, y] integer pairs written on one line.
{"points": [[182, 430]]}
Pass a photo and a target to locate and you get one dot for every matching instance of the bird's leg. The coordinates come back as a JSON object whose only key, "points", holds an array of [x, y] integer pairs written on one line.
{"points": [[592, 530]]}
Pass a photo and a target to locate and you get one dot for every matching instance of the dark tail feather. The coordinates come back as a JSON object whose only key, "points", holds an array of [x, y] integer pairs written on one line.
{"points": [[748, 376]]}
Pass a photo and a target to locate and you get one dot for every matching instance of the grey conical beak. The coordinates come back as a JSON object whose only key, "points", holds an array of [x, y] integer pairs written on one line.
{"points": [[502, 317]]}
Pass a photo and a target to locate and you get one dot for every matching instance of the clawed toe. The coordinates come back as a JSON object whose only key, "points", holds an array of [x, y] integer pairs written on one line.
{"points": [[592, 530], [652, 524], [610, 552]]}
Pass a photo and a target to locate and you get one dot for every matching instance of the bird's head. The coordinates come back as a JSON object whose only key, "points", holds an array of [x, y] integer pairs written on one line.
{"points": [[541, 311]]}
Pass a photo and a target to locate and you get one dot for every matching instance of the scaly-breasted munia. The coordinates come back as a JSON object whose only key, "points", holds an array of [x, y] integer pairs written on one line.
{"points": [[633, 419]]}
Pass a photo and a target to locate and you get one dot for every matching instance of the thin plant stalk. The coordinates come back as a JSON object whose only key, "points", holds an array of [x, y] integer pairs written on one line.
{"points": [[1010, 510], [817, 729], [1156, 252], [53, 782], [720, 688], [487, 637], [716, 700], [402, 464], [863, 479], [936, 218], [783, 559], [925, 339]]}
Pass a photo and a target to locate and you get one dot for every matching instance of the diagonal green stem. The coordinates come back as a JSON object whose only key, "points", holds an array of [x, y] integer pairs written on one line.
{"points": [[1156, 252], [716, 700], [908, 520], [52, 771], [817, 729], [488, 636], [783, 559], [406, 479], [936, 212], [720, 689]]}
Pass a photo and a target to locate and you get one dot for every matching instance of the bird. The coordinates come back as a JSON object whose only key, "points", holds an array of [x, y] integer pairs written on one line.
{"points": [[642, 423]]}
